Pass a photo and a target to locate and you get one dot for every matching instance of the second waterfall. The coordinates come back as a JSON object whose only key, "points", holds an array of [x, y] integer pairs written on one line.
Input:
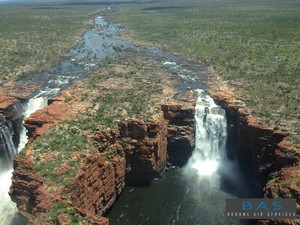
{"points": [[196, 193], [210, 138]]}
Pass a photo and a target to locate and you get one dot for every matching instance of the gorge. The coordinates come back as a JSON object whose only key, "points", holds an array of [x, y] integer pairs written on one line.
{"points": [[135, 152], [196, 193]]}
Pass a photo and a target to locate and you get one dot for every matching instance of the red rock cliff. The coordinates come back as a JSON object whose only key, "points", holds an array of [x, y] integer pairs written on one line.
{"points": [[181, 132], [133, 152], [145, 147], [28, 191], [42, 119], [274, 162]]}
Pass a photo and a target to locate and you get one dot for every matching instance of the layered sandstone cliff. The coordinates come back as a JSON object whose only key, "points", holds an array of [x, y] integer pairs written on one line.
{"points": [[136, 151], [181, 130], [268, 153], [30, 195]]}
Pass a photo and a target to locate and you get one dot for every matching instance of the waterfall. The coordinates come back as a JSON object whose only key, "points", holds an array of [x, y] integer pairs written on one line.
{"points": [[211, 134], [7, 147], [33, 105], [8, 150], [7, 208], [7, 153]]}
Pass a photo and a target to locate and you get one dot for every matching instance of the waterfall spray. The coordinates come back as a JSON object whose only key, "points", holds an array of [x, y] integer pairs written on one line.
{"points": [[210, 136]]}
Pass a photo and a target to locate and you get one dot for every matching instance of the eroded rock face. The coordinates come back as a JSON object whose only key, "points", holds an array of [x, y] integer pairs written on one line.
{"points": [[28, 192], [131, 153], [98, 184], [266, 148], [272, 159], [283, 184], [33, 200], [41, 120], [12, 96], [6, 104], [181, 133], [136, 151], [145, 147]]}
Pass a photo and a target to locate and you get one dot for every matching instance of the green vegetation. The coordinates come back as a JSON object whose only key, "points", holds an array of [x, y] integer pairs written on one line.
{"points": [[32, 37], [110, 95], [61, 151], [71, 214], [56, 210], [254, 45], [118, 92]]}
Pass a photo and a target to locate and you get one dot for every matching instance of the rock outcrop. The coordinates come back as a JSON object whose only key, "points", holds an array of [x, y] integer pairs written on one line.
{"points": [[28, 191], [145, 147], [12, 96], [42, 119], [7, 105], [34, 201], [135, 152]]}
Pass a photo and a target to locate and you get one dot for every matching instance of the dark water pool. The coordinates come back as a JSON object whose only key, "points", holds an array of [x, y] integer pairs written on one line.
{"points": [[180, 198]]}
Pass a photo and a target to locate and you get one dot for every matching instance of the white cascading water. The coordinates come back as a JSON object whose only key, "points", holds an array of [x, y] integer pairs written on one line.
{"points": [[8, 208], [210, 139], [6, 144], [33, 105], [8, 150]]}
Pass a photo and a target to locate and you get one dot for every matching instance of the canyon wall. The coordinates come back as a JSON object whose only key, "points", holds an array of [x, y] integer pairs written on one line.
{"points": [[11, 109], [132, 153], [181, 133], [28, 191], [266, 152]]}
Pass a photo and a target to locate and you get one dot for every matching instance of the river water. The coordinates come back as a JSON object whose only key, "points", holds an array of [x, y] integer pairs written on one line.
{"points": [[181, 196], [176, 199]]}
